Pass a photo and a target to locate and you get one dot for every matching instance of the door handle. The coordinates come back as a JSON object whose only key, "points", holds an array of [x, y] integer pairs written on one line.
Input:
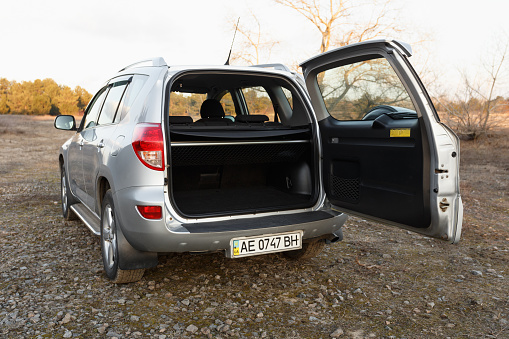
{"points": [[100, 144]]}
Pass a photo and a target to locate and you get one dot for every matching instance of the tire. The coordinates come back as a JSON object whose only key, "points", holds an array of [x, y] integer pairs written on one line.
{"points": [[309, 250], [109, 245], [66, 196]]}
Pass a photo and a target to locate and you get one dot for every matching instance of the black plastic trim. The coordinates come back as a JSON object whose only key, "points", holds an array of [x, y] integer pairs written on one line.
{"points": [[257, 223]]}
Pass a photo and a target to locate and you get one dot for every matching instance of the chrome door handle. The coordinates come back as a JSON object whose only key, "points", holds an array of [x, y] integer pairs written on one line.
{"points": [[100, 145]]}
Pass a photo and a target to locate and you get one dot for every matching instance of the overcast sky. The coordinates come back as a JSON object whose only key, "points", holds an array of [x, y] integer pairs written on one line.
{"points": [[83, 43]]}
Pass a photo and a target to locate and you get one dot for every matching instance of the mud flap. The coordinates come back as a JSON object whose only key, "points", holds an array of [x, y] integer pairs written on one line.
{"points": [[130, 258]]}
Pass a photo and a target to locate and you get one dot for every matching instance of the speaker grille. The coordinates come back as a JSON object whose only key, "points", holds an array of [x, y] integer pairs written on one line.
{"points": [[345, 189]]}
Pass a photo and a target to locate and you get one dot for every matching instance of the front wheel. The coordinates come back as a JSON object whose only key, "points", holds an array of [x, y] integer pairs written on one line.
{"points": [[309, 250], [109, 246], [66, 197]]}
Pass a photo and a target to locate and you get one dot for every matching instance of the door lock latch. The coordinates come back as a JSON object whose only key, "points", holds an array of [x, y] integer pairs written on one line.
{"points": [[444, 204]]}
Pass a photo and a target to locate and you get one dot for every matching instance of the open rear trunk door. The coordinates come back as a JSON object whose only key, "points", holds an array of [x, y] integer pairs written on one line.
{"points": [[386, 155]]}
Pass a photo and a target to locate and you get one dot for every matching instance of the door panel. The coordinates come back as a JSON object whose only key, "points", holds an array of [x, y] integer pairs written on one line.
{"points": [[98, 139], [96, 151], [382, 142], [88, 138], [90, 150], [75, 167], [368, 171]]}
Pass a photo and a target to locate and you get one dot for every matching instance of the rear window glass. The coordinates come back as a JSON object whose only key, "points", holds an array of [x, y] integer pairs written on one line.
{"points": [[258, 102]]}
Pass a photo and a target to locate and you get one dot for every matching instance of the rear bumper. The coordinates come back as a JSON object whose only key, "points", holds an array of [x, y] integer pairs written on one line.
{"points": [[169, 235]]}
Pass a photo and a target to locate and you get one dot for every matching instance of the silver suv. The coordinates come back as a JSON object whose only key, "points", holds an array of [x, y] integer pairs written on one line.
{"points": [[254, 160]]}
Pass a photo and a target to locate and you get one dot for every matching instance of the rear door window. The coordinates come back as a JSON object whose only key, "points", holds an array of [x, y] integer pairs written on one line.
{"points": [[258, 102], [228, 105], [112, 103], [130, 96], [186, 104]]}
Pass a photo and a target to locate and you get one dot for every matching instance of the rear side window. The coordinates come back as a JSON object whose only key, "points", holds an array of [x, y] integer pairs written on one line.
{"points": [[130, 96], [186, 104], [288, 95], [112, 102], [93, 111], [228, 105], [258, 102]]}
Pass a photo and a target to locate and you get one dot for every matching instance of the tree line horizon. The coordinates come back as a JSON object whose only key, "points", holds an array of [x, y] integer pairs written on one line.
{"points": [[41, 97]]}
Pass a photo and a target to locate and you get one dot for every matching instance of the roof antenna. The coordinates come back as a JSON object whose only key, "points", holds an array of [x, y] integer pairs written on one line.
{"points": [[234, 34]]}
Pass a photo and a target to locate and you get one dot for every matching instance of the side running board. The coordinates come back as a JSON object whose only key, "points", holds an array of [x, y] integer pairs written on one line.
{"points": [[88, 217]]}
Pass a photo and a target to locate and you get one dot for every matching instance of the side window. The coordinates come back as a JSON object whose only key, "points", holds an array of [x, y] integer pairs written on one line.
{"points": [[364, 90], [112, 102], [130, 95], [258, 102], [186, 104], [93, 111], [288, 95], [228, 105]]}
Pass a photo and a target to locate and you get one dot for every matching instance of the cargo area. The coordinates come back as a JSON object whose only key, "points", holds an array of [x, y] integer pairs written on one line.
{"points": [[239, 143], [218, 177]]}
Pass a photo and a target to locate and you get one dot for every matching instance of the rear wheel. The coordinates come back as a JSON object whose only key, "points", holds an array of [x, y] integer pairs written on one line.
{"points": [[309, 250], [66, 197], [109, 246]]}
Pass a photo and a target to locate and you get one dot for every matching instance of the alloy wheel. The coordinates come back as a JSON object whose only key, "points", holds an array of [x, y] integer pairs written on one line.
{"points": [[109, 237]]}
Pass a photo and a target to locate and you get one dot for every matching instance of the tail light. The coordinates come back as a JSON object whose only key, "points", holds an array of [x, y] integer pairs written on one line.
{"points": [[149, 146], [150, 212]]}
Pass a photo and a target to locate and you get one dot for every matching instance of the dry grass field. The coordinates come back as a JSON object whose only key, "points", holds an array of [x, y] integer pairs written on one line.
{"points": [[377, 283]]}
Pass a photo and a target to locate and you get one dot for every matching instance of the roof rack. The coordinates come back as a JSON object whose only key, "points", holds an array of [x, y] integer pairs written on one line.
{"points": [[279, 67], [154, 62]]}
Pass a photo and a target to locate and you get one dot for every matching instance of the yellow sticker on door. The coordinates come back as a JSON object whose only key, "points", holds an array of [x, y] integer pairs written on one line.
{"points": [[400, 133]]}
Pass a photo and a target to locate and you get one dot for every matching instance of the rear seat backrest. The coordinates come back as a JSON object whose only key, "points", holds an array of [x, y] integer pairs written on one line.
{"points": [[252, 119], [180, 120]]}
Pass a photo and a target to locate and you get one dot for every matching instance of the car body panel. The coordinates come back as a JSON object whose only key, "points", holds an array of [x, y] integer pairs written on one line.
{"points": [[74, 166], [167, 236]]}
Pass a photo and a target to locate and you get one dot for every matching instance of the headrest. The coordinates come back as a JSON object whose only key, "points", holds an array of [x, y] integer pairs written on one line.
{"points": [[211, 108]]}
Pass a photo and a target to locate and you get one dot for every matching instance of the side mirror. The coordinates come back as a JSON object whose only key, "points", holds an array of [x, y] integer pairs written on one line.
{"points": [[65, 122]]}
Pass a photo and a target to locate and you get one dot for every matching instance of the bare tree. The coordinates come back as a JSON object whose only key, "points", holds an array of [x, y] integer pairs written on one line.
{"points": [[255, 47], [350, 91], [471, 110], [339, 24]]}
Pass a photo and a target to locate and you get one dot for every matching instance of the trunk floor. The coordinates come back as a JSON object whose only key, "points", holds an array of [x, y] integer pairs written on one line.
{"points": [[229, 200]]}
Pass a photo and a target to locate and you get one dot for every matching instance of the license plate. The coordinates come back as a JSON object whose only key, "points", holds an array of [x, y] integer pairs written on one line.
{"points": [[246, 246]]}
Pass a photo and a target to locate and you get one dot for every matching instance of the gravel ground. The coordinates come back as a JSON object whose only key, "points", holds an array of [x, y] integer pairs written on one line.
{"points": [[377, 283]]}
